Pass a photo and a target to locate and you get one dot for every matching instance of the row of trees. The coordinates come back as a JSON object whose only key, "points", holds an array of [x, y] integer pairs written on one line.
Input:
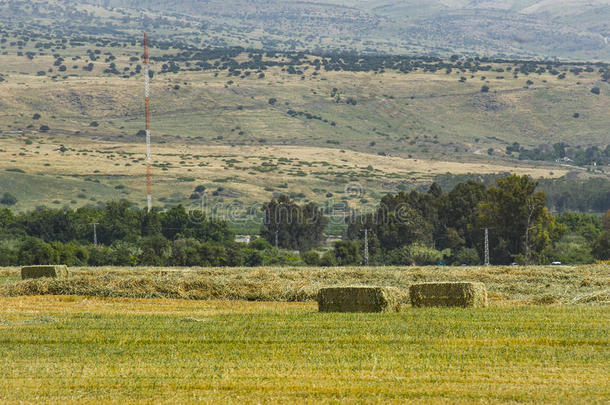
{"points": [[433, 226], [153, 250], [520, 225], [521, 228], [406, 228], [582, 156], [116, 221]]}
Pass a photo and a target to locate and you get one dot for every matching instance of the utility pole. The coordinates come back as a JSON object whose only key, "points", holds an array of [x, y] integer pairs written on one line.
{"points": [[486, 246], [147, 119], [366, 247], [95, 224]]}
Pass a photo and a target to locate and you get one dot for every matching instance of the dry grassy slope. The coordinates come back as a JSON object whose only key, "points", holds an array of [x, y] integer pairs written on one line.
{"points": [[390, 107], [207, 131], [91, 170]]}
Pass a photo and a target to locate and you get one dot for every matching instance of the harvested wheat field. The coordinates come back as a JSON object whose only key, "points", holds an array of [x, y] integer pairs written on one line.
{"points": [[523, 348], [111, 350], [505, 285]]}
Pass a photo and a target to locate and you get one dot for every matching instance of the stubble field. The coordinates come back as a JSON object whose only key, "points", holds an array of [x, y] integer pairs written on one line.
{"points": [[88, 349]]}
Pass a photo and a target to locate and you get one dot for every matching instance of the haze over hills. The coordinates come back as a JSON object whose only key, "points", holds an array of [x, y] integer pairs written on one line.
{"points": [[575, 29]]}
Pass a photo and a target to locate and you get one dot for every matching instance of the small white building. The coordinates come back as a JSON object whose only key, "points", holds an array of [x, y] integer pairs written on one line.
{"points": [[243, 238]]}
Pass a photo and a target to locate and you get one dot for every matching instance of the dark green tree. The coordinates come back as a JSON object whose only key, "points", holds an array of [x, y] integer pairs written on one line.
{"points": [[119, 221], [155, 251], [311, 258], [37, 251], [174, 222], [522, 225], [346, 253], [601, 247], [253, 257], [185, 252], [150, 222], [296, 227], [51, 225], [458, 216], [71, 253]]}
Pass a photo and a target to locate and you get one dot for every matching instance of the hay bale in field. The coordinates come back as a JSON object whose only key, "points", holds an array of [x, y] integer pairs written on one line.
{"points": [[456, 294], [357, 299], [60, 272]]}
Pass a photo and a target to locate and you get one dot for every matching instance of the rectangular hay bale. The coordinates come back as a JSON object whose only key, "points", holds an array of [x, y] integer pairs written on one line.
{"points": [[357, 299], [53, 271], [451, 294]]}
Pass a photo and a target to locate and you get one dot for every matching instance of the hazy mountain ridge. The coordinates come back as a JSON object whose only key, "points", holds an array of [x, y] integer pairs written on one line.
{"points": [[548, 28]]}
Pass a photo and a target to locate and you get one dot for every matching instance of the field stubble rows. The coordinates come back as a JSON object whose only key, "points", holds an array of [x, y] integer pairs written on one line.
{"points": [[110, 349], [506, 285]]}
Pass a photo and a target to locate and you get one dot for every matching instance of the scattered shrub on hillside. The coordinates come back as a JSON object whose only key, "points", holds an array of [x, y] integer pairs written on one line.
{"points": [[8, 199]]}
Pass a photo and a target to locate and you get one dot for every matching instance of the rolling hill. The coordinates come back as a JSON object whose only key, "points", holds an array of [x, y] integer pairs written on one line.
{"points": [[250, 123], [518, 28]]}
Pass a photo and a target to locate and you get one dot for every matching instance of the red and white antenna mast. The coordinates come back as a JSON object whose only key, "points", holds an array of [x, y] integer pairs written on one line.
{"points": [[147, 112]]}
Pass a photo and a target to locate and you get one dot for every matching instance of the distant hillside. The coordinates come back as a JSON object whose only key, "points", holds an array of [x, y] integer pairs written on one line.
{"points": [[572, 29], [249, 123]]}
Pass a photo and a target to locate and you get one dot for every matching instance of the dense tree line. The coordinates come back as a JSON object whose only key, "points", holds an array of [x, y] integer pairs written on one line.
{"points": [[420, 228], [581, 156], [565, 194], [293, 226], [429, 227], [125, 234]]}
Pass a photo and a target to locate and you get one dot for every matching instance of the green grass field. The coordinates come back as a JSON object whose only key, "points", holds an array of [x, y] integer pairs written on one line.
{"points": [[92, 350]]}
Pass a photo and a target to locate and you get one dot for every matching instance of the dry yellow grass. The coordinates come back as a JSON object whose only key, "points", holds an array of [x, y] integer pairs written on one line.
{"points": [[505, 285], [113, 163], [141, 306], [67, 163]]}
